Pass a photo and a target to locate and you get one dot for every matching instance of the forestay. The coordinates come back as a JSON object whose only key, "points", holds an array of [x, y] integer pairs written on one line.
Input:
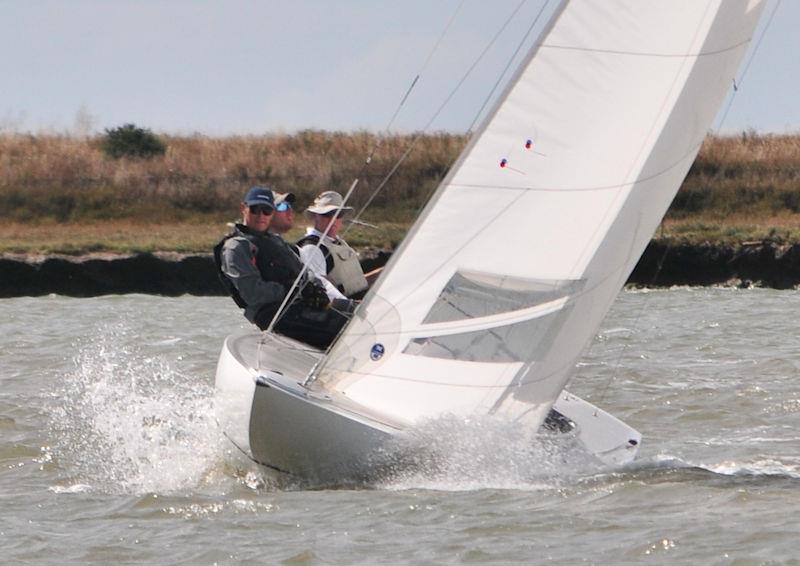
{"points": [[506, 276]]}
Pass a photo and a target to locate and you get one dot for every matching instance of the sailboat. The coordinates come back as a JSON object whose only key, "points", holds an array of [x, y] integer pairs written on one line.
{"points": [[554, 199]]}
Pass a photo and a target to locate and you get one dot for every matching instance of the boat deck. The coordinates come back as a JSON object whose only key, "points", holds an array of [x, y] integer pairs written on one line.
{"points": [[281, 362]]}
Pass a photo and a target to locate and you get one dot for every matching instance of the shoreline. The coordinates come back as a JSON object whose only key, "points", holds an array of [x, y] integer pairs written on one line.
{"points": [[763, 264]]}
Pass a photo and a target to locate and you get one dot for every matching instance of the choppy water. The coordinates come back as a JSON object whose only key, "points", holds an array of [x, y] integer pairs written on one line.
{"points": [[109, 452]]}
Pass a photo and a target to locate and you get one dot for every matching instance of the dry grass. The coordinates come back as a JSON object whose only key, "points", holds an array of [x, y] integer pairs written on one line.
{"points": [[747, 174], [62, 194], [70, 179], [126, 237], [734, 229], [115, 237]]}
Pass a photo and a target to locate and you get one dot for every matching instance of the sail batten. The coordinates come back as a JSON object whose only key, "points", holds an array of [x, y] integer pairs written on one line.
{"points": [[506, 277]]}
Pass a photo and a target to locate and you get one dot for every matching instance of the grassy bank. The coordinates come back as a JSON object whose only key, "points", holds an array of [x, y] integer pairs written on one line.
{"points": [[126, 236], [61, 194]]}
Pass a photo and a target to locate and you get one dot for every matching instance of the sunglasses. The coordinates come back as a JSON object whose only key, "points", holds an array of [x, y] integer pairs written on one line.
{"points": [[259, 209], [283, 206]]}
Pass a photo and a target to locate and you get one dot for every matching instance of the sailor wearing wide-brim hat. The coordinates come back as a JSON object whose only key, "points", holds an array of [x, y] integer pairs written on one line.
{"points": [[333, 258], [328, 203]]}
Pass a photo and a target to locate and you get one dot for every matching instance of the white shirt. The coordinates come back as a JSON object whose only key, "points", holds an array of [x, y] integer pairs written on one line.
{"points": [[313, 256]]}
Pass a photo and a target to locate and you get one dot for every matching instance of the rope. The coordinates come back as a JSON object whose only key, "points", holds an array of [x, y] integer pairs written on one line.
{"points": [[295, 285], [496, 85], [443, 105], [738, 84], [425, 64], [304, 270], [312, 374]]}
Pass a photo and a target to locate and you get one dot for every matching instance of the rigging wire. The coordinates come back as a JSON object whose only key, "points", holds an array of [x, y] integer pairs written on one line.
{"points": [[521, 43], [424, 66], [313, 373], [290, 294], [477, 115], [738, 84], [447, 100], [504, 72], [660, 263]]}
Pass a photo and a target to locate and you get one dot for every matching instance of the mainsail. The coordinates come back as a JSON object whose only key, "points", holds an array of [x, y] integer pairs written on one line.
{"points": [[508, 273]]}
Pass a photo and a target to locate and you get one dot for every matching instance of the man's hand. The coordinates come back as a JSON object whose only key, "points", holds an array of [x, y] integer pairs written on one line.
{"points": [[314, 295]]}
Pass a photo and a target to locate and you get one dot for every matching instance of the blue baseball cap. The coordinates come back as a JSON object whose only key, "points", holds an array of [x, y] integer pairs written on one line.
{"points": [[260, 196]]}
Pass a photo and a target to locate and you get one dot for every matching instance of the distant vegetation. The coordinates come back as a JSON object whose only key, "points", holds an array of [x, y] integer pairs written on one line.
{"points": [[132, 141], [739, 188], [69, 179], [747, 174]]}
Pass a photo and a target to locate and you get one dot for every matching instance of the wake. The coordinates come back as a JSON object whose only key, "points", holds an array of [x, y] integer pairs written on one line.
{"points": [[468, 454], [127, 421], [666, 468]]}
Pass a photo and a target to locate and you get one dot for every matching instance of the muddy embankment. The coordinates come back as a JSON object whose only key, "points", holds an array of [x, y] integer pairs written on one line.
{"points": [[759, 263], [89, 276]]}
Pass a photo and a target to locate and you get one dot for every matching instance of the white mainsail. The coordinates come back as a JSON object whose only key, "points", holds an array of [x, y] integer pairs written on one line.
{"points": [[508, 273]]}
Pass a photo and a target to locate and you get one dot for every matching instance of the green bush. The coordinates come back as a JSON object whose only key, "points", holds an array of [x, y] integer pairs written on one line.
{"points": [[131, 141]]}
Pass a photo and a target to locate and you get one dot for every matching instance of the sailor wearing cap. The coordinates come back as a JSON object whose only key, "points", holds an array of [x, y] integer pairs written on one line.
{"points": [[283, 217], [258, 269], [332, 258]]}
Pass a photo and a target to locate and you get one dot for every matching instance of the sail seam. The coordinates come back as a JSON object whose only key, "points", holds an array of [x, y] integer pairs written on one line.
{"points": [[636, 167], [651, 53], [584, 189]]}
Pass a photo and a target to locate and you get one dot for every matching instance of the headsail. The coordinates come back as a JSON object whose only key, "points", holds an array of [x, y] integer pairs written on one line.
{"points": [[506, 276]]}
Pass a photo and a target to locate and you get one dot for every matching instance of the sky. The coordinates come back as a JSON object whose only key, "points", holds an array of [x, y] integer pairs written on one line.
{"points": [[222, 67]]}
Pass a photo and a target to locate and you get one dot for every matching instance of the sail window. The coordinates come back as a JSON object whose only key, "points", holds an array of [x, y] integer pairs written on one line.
{"points": [[519, 342], [469, 295], [474, 296]]}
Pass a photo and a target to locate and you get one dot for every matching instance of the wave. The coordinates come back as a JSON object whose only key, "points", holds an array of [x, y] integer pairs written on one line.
{"points": [[467, 454], [126, 421], [672, 468]]}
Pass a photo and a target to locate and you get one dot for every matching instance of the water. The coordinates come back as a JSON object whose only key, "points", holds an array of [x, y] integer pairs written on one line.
{"points": [[109, 450]]}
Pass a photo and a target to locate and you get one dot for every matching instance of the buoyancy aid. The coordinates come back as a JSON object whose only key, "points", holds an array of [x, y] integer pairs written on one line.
{"points": [[274, 259], [341, 262]]}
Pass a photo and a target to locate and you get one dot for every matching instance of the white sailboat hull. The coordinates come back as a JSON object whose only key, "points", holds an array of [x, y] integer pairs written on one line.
{"points": [[317, 435]]}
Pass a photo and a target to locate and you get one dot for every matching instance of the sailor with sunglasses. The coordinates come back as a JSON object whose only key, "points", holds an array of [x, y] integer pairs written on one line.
{"points": [[283, 217], [258, 269]]}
